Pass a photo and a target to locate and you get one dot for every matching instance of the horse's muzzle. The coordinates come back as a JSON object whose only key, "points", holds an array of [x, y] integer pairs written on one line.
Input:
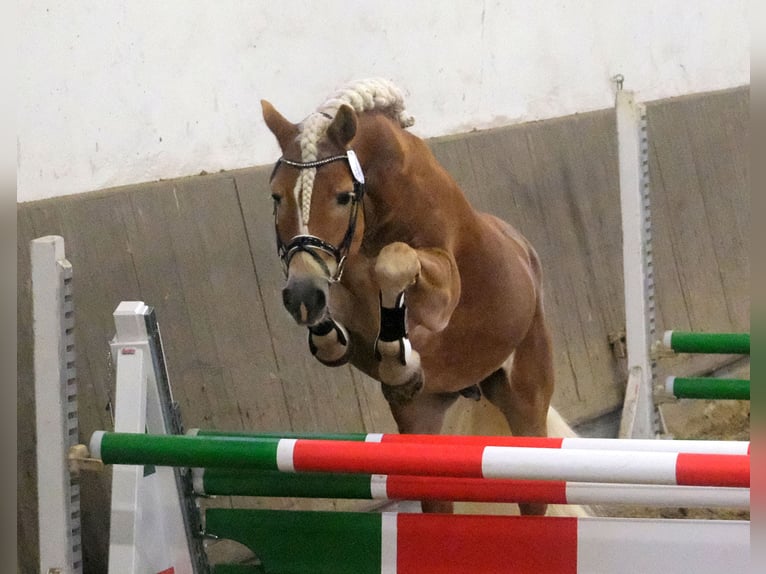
{"points": [[306, 300]]}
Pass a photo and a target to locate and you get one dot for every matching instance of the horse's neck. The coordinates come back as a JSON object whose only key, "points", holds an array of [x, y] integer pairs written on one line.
{"points": [[407, 186], [381, 144]]}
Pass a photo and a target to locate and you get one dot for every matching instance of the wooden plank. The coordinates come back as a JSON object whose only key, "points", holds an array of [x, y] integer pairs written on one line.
{"points": [[149, 231], [373, 407], [718, 131], [699, 173], [193, 259], [688, 231]]}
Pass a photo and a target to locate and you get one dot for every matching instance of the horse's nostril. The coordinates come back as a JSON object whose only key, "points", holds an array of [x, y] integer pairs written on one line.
{"points": [[317, 300]]}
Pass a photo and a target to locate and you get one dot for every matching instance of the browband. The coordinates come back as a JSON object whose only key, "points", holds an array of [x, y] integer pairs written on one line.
{"points": [[350, 156]]}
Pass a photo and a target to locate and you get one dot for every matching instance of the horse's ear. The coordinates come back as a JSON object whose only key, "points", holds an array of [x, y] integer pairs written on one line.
{"points": [[283, 129], [343, 126]]}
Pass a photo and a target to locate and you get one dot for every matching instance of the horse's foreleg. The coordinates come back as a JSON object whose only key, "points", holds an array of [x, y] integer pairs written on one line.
{"points": [[424, 415], [329, 343], [430, 277], [424, 285], [524, 397]]}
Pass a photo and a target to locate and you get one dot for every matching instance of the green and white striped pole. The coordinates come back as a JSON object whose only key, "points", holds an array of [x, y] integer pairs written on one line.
{"points": [[230, 482]]}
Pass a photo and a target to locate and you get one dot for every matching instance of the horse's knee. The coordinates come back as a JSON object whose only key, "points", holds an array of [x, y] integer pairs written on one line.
{"points": [[396, 268], [329, 343]]}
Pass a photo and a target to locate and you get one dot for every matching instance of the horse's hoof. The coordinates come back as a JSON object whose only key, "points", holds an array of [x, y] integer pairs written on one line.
{"points": [[329, 343], [403, 394]]}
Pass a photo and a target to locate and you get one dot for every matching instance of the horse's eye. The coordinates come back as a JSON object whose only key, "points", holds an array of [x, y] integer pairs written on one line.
{"points": [[345, 198], [276, 198]]}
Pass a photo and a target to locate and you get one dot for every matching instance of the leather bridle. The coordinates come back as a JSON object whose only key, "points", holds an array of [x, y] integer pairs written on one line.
{"points": [[311, 244]]}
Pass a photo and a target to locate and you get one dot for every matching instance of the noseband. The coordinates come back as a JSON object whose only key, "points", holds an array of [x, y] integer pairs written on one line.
{"points": [[311, 244]]}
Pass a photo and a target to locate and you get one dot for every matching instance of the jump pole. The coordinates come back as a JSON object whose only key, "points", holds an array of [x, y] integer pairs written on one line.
{"points": [[707, 343], [708, 388], [567, 443], [228, 482], [306, 455]]}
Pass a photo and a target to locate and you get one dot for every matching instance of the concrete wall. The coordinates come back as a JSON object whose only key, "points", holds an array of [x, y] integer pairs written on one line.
{"points": [[201, 251], [114, 93]]}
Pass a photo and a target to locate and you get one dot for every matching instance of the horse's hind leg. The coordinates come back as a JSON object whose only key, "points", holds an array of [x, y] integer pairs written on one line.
{"points": [[424, 415], [524, 397]]}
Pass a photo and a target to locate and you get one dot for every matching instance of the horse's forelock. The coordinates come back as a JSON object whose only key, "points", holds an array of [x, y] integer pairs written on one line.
{"points": [[362, 96], [312, 130]]}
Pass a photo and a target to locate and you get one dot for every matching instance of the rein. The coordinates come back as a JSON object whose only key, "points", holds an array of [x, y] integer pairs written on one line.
{"points": [[310, 243]]}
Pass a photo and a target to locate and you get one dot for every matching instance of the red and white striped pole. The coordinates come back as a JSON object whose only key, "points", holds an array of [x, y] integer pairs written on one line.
{"points": [[638, 467], [569, 443], [304, 455]]}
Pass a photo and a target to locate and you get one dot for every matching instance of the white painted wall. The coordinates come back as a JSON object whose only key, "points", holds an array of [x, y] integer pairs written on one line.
{"points": [[113, 92]]}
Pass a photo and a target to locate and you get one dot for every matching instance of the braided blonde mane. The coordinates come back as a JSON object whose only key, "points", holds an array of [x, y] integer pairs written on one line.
{"points": [[362, 96]]}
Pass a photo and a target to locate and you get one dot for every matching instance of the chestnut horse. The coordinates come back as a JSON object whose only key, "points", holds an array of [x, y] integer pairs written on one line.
{"points": [[391, 269]]}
